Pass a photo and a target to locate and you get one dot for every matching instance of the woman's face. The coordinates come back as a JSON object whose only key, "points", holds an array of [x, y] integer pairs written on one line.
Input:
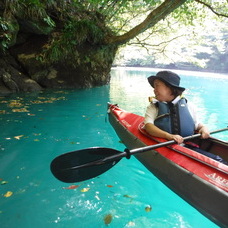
{"points": [[162, 91]]}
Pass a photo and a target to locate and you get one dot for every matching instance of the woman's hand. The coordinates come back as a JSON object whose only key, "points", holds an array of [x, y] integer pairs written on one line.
{"points": [[204, 132], [179, 139]]}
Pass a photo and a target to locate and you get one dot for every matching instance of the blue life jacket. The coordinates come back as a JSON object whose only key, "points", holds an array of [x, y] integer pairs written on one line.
{"points": [[175, 119]]}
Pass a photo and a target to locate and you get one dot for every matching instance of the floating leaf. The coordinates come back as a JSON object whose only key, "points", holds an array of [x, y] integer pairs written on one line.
{"points": [[71, 187], [127, 196], [148, 208], [110, 186], [85, 189], [15, 103], [20, 110], [4, 182], [8, 194], [107, 219], [18, 137]]}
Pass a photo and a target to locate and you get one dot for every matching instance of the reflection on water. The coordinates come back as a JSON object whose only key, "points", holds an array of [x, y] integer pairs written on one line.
{"points": [[130, 90], [208, 91]]}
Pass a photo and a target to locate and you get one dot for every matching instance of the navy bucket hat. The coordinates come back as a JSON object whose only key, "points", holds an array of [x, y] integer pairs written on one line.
{"points": [[167, 77]]}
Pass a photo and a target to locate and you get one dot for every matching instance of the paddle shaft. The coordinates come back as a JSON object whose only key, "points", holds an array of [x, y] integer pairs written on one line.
{"points": [[127, 153], [147, 148]]}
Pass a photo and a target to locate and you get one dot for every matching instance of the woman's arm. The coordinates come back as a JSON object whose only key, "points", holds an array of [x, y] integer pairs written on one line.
{"points": [[157, 132]]}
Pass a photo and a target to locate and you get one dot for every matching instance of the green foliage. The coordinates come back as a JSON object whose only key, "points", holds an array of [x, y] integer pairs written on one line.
{"points": [[8, 29], [32, 10], [77, 23], [4, 36], [81, 31], [74, 34]]}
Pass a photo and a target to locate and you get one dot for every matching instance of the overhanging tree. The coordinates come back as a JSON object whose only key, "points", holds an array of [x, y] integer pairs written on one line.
{"points": [[73, 43]]}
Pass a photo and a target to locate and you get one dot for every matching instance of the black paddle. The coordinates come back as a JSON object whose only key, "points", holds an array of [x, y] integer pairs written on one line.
{"points": [[87, 163]]}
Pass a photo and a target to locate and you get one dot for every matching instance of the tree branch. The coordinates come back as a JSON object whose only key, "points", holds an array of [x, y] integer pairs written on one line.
{"points": [[153, 18], [211, 8], [155, 45]]}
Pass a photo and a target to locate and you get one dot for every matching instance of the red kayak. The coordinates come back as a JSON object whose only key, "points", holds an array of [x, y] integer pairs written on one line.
{"points": [[200, 180]]}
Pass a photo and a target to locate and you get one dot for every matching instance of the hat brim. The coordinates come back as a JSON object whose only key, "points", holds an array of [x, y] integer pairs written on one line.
{"points": [[153, 77]]}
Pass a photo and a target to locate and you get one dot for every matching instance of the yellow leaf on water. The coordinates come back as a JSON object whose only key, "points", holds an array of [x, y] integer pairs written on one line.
{"points": [[85, 189], [20, 110], [8, 194], [18, 137]]}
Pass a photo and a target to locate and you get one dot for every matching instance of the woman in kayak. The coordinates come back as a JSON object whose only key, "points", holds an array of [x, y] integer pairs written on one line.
{"points": [[170, 115]]}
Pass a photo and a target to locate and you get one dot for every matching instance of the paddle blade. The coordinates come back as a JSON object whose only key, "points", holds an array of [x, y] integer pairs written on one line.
{"points": [[83, 164]]}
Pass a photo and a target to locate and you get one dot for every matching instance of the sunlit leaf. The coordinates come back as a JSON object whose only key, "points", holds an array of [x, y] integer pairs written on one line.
{"points": [[85, 189], [8, 194], [20, 110], [15, 103], [18, 137]]}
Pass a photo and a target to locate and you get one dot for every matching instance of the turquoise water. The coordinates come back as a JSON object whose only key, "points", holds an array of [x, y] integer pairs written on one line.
{"points": [[37, 127]]}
